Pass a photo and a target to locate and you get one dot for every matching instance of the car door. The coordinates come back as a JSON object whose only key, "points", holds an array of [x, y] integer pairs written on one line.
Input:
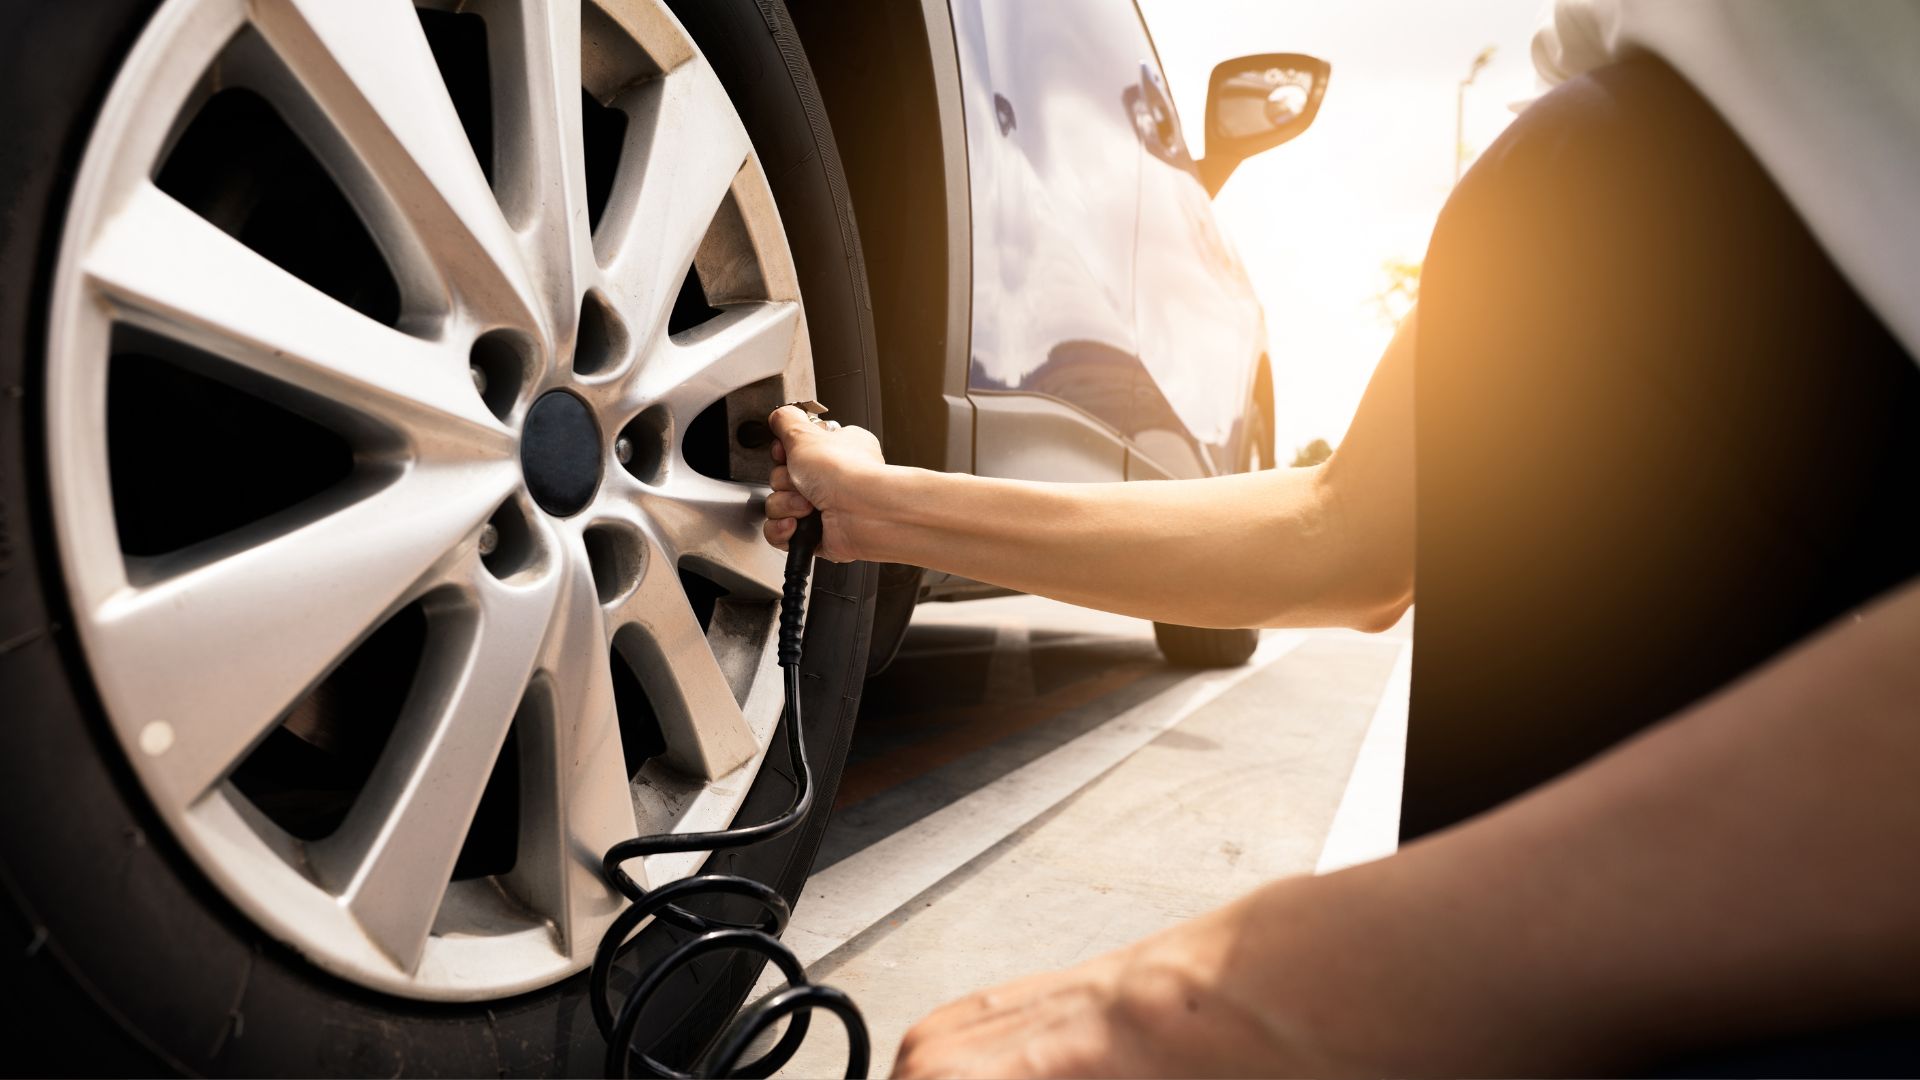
{"points": [[1054, 163], [1198, 322]]}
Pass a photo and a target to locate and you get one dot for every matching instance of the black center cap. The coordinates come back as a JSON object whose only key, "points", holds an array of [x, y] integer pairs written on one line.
{"points": [[560, 454]]}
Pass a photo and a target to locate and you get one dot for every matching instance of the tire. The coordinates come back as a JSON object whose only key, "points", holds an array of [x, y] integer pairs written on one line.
{"points": [[1206, 647], [125, 956]]}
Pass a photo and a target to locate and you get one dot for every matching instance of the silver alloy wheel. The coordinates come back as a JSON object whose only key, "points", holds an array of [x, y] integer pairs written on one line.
{"points": [[199, 653]]}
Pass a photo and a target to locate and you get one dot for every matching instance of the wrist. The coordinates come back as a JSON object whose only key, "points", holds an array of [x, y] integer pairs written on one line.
{"points": [[1205, 990], [872, 509]]}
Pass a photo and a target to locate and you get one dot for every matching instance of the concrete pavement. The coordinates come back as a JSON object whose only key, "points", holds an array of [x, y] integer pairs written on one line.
{"points": [[1031, 786]]}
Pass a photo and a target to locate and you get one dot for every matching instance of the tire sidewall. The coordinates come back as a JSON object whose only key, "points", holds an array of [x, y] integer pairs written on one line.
{"points": [[125, 958]]}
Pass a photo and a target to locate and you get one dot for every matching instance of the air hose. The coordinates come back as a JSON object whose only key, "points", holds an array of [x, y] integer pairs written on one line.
{"points": [[800, 997]]}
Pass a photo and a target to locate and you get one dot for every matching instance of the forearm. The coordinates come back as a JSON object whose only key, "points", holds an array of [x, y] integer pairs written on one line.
{"points": [[1257, 549], [1326, 546], [1749, 869]]}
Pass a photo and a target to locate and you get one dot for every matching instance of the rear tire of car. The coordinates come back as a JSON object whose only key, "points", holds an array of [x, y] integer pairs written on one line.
{"points": [[1203, 647], [1207, 647], [121, 956]]}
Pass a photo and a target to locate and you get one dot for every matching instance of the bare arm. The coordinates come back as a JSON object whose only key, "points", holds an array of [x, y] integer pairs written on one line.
{"points": [[1749, 868], [1327, 546]]}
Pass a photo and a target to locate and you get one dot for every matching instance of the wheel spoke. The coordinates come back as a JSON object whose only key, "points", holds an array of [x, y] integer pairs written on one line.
{"points": [[684, 147], [392, 858], [542, 176], [173, 272], [577, 798], [655, 30], [717, 525], [707, 735], [229, 644], [744, 345], [386, 122]]}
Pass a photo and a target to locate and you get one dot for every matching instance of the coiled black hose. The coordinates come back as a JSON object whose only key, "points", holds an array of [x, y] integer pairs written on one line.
{"points": [[800, 997]]}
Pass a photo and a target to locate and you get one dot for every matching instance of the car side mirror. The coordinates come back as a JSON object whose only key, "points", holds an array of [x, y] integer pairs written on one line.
{"points": [[1255, 103]]}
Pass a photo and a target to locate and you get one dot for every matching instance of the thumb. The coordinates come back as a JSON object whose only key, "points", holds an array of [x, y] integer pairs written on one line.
{"points": [[789, 423]]}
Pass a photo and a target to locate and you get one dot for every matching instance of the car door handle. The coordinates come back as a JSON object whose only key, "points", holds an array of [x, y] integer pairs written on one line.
{"points": [[1159, 105]]}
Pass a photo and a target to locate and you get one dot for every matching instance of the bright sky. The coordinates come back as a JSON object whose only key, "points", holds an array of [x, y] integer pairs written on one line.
{"points": [[1314, 220]]}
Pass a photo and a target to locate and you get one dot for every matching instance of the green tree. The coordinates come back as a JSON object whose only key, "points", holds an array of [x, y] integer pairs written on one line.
{"points": [[1401, 289], [1313, 453]]}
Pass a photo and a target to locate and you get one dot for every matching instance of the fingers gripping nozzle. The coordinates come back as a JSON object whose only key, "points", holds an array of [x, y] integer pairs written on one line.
{"points": [[806, 538]]}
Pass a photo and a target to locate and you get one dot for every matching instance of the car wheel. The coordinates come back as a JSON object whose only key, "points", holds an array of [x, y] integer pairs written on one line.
{"points": [[1207, 647], [377, 540]]}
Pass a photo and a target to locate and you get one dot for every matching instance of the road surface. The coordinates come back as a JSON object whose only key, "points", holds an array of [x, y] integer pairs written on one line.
{"points": [[1031, 785]]}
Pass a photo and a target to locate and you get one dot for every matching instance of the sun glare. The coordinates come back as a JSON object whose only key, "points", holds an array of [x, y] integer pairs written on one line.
{"points": [[1328, 223]]}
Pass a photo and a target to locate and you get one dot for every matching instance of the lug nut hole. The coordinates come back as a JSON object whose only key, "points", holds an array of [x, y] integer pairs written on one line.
{"points": [[501, 363], [641, 447], [617, 556], [601, 340], [507, 543]]}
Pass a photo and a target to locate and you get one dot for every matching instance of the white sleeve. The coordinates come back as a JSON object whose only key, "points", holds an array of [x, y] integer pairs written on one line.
{"points": [[1826, 96], [1577, 37]]}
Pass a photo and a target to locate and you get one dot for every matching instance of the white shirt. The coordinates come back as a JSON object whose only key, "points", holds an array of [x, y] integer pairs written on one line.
{"points": [[1825, 95]]}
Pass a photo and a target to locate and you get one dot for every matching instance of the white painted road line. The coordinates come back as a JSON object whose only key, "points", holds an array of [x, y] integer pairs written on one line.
{"points": [[1367, 824], [858, 891]]}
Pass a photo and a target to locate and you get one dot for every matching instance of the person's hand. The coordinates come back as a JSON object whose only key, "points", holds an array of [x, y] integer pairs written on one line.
{"points": [[819, 467], [1156, 1008]]}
